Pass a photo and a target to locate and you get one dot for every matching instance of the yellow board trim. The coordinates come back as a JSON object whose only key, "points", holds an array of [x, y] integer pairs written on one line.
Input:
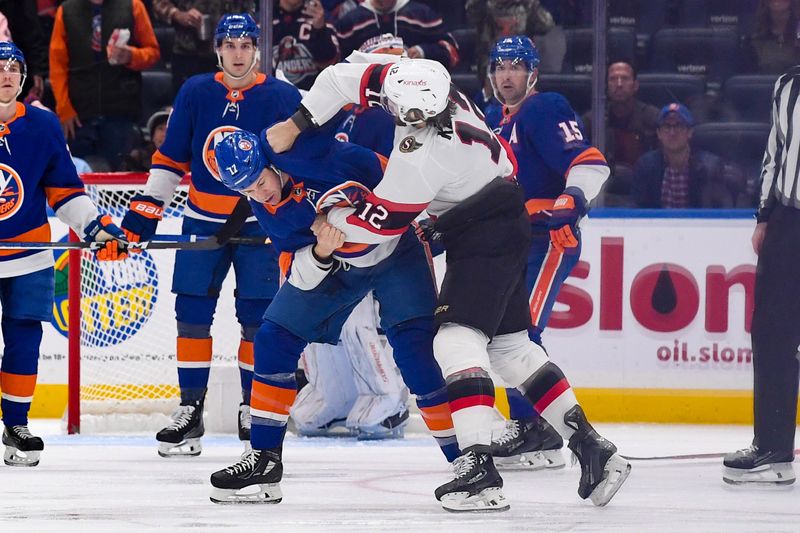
{"points": [[677, 406]]}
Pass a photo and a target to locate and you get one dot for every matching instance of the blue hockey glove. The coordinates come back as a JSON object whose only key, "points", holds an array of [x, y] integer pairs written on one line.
{"points": [[103, 230], [142, 218], [568, 210]]}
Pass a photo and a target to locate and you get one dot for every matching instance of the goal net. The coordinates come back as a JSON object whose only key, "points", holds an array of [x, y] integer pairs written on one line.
{"points": [[128, 377]]}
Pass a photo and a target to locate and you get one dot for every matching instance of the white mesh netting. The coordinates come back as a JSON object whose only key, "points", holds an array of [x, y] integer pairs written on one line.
{"points": [[128, 331]]}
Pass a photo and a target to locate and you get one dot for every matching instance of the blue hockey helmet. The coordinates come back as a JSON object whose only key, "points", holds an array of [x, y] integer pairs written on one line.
{"points": [[240, 160], [515, 48], [236, 27]]}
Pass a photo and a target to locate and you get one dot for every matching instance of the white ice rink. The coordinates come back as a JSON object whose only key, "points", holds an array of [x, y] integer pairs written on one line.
{"points": [[112, 484]]}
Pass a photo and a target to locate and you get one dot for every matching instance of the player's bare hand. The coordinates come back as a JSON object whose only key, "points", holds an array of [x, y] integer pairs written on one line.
{"points": [[191, 18], [318, 223], [415, 52], [282, 135], [314, 11], [329, 238], [758, 236], [70, 125]]}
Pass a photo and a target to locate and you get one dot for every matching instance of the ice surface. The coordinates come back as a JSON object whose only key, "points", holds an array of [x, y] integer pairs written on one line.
{"points": [[111, 484]]}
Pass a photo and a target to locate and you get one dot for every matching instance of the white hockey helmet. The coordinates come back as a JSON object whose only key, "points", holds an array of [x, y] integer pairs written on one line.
{"points": [[416, 90]]}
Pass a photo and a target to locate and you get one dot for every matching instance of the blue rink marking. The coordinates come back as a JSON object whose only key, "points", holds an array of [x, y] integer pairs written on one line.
{"points": [[624, 212], [412, 441]]}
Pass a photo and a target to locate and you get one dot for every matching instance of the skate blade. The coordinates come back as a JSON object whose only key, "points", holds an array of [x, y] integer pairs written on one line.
{"points": [[486, 501], [532, 461], [774, 475], [396, 433], [16, 457], [186, 448], [254, 494], [615, 473]]}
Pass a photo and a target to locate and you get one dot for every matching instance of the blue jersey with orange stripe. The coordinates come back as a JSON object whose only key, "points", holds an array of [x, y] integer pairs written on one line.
{"points": [[547, 139], [36, 169], [321, 172], [205, 110]]}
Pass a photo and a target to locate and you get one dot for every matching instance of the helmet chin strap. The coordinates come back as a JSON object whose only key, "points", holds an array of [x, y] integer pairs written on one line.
{"points": [[253, 64]]}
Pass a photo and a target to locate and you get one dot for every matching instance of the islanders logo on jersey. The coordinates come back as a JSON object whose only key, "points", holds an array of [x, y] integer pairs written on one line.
{"points": [[11, 192], [212, 140], [348, 194], [118, 297]]}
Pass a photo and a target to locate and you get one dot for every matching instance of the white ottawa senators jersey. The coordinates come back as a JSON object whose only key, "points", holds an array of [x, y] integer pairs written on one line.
{"points": [[205, 111], [428, 168], [35, 170]]}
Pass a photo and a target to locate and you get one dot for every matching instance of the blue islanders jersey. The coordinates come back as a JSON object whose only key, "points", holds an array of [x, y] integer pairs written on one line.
{"points": [[204, 112], [370, 127], [546, 137], [321, 173], [36, 169]]}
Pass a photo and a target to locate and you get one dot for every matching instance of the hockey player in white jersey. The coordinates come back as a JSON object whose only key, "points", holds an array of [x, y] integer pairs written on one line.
{"points": [[446, 160]]}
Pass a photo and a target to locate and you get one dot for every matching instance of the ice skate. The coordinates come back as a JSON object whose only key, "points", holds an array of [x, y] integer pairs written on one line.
{"points": [[603, 470], [254, 479], [335, 428], [754, 467], [477, 486], [244, 423], [22, 448], [182, 437], [528, 445], [392, 427]]}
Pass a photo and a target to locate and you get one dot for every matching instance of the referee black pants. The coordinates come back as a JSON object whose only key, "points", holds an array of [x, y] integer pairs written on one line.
{"points": [[776, 332]]}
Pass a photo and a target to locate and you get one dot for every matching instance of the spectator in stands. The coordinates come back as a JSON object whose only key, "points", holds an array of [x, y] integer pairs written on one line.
{"points": [[303, 43], [630, 123], [675, 176], [775, 44], [194, 22], [97, 82], [26, 32], [46, 11], [501, 18], [419, 26], [140, 159]]}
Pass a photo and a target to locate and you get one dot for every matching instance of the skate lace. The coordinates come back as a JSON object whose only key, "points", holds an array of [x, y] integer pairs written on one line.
{"points": [[464, 464], [245, 418], [22, 432], [510, 432], [182, 416], [248, 462]]}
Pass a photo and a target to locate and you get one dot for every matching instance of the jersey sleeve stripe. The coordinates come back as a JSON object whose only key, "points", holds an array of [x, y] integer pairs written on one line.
{"points": [[167, 163], [212, 203], [371, 83], [590, 156], [40, 234], [510, 153], [58, 196]]}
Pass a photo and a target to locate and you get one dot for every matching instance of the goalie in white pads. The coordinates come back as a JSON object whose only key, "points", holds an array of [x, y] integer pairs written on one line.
{"points": [[35, 170], [446, 160], [354, 388]]}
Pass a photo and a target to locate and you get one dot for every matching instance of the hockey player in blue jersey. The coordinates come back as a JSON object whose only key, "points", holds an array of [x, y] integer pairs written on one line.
{"points": [[560, 173], [35, 170], [207, 108], [326, 279]]}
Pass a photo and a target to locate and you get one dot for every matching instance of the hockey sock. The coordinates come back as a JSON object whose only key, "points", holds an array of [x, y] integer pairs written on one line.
{"points": [[551, 395], [21, 338], [436, 413], [246, 361], [471, 396], [194, 364]]}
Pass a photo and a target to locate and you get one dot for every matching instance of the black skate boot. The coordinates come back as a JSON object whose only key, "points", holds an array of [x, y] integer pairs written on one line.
{"points": [[254, 479], [603, 470], [477, 486], [22, 448], [182, 437], [753, 466], [530, 444], [244, 422]]}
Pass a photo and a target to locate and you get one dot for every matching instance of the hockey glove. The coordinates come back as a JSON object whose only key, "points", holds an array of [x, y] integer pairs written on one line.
{"points": [[142, 218], [567, 212], [427, 234], [102, 229]]}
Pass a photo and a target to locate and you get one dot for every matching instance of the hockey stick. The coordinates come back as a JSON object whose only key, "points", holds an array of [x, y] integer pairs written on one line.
{"points": [[159, 242], [687, 456]]}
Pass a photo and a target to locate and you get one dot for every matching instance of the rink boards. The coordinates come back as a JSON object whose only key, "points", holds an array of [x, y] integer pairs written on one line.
{"points": [[652, 325]]}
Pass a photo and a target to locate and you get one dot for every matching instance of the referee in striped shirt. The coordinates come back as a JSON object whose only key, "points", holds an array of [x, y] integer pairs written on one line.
{"points": [[776, 315]]}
